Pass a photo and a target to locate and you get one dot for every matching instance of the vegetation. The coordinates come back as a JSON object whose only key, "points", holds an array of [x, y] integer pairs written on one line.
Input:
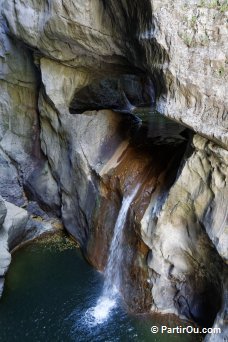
{"points": [[187, 39], [58, 241], [193, 21], [221, 71], [221, 6]]}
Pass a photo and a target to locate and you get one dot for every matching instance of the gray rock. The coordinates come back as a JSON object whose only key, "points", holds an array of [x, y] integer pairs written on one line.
{"points": [[10, 185], [220, 325], [18, 117], [3, 211], [122, 93], [11, 232], [22, 164], [17, 226], [182, 46], [14, 224], [75, 45], [186, 269], [42, 187]]}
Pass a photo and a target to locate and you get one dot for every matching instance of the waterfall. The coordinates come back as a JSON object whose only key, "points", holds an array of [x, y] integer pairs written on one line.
{"points": [[112, 274], [146, 35]]}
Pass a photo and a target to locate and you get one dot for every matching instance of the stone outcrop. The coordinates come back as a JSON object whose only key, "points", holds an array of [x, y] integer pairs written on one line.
{"points": [[21, 157], [121, 93], [180, 45], [59, 59], [17, 226], [192, 38], [186, 269], [12, 227]]}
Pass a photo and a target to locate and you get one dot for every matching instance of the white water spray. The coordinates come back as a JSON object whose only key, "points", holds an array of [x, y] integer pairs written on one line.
{"points": [[108, 300], [146, 35]]}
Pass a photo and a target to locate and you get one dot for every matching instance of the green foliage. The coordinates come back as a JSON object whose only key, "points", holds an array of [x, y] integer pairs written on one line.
{"points": [[213, 4], [187, 39], [221, 6], [224, 7], [221, 71], [202, 3], [193, 21]]}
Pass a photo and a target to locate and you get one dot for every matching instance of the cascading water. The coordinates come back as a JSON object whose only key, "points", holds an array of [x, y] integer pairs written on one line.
{"points": [[112, 274]]}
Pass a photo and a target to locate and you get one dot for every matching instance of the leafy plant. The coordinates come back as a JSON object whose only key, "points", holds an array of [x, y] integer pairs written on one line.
{"points": [[193, 21]]}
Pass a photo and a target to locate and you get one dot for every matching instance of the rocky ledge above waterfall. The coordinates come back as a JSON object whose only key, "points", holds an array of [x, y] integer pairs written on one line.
{"points": [[76, 136], [181, 45]]}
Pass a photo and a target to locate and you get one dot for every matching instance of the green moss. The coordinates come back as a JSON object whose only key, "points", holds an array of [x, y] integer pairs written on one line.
{"points": [[221, 71]]}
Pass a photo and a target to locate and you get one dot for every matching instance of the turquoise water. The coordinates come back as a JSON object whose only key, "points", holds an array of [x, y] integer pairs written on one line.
{"points": [[48, 290]]}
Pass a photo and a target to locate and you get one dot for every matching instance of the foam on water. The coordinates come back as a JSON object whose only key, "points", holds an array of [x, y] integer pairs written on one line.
{"points": [[100, 313]]}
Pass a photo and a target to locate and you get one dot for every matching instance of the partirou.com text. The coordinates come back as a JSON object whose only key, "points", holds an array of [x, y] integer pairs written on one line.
{"points": [[163, 329]]}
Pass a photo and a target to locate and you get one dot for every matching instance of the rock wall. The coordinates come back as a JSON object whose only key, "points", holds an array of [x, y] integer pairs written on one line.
{"points": [[186, 269], [87, 57], [13, 222], [191, 36], [17, 226], [182, 46]]}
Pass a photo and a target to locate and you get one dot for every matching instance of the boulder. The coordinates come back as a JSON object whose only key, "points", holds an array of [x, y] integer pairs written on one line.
{"points": [[12, 231]]}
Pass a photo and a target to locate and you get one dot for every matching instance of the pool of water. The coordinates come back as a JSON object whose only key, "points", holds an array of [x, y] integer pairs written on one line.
{"points": [[158, 125], [48, 290]]}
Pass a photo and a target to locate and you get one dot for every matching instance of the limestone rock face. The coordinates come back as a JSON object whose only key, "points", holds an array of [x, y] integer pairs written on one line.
{"points": [[89, 57], [82, 39], [18, 117], [20, 153], [3, 211], [24, 172], [186, 270], [182, 46], [11, 230], [18, 225], [192, 36]]}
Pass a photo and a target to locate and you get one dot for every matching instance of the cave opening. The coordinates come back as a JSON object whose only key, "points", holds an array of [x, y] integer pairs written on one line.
{"points": [[154, 151]]}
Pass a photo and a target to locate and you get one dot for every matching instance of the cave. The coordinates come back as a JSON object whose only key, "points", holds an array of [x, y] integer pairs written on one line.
{"points": [[150, 151]]}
